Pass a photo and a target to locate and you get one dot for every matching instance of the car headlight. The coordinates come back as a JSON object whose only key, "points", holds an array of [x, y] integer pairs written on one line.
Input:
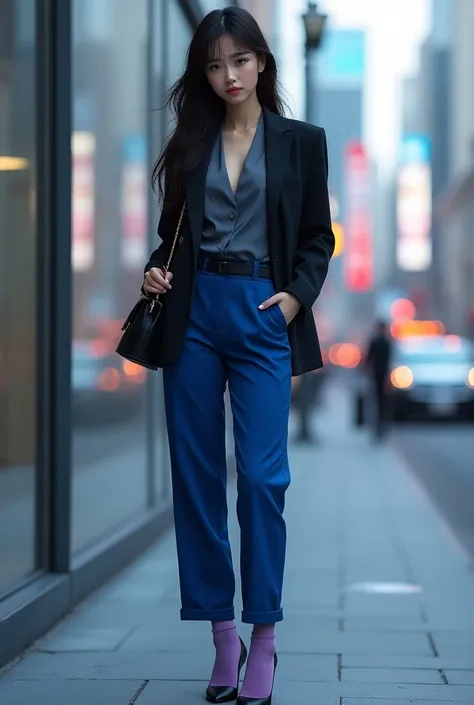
{"points": [[402, 377], [470, 379]]}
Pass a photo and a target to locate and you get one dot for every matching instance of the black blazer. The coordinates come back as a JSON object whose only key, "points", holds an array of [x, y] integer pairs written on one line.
{"points": [[300, 237]]}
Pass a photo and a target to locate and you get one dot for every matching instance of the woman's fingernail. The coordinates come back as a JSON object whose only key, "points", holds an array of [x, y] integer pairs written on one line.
{"points": [[261, 306]]}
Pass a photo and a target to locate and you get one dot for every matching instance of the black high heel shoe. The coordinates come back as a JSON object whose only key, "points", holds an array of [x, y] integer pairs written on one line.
{"points": [[225, 693], [260, 701]]}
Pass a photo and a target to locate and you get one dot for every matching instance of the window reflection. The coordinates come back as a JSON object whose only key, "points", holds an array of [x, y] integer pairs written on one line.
{"points": [[17, 313], [109, 247]]}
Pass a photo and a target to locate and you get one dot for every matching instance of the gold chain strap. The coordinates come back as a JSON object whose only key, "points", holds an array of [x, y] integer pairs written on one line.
{"points": [[176, 235], [154, 299]]}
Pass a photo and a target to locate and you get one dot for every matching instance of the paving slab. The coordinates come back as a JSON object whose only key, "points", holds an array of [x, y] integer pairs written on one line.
{"points": [[449, 620], [371, 701], [114, 666], [385, 624], [75, 638], [307, 640], [382, 606], [308, 667], [394, 691], [454, 650], [384, 661], [311, 609], [460, 677], [445, 638], [177, 637], [391, 675], [66, 692], [122, 614]]}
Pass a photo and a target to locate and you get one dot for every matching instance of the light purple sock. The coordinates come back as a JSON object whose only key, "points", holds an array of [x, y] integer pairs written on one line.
{"points": [[228, 647], [258, 680]]}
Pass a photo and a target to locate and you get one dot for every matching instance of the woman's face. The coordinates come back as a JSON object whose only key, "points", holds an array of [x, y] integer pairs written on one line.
{"points": [[233, 72]]}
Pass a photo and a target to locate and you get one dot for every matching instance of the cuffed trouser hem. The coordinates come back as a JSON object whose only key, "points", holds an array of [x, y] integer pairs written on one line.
{"points": [[262, 617], [208, 615]]}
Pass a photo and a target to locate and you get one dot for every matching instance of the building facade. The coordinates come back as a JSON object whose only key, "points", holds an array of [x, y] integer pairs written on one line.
{"points": [[437, 113], [455, 204], [84, 471], [337, 103], [427, 117]]}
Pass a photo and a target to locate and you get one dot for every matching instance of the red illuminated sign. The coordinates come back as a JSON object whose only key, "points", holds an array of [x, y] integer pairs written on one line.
{"points": [[83, 200], [358, 260]]}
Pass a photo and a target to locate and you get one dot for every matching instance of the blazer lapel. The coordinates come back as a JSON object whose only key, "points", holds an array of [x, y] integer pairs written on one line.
{"points": [[195, 196], [278, 137]]}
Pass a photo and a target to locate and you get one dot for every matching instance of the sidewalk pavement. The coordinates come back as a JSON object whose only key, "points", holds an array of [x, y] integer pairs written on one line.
{"points": [[355, 516]]}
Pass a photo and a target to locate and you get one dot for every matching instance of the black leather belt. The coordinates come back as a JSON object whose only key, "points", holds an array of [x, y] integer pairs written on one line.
{"points": [[215, 265]]}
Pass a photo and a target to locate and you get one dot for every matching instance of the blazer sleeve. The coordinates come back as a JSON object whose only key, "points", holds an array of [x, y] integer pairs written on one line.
{"points": [[316, 239]]}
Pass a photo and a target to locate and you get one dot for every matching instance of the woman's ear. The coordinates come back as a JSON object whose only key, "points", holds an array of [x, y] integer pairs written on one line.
{"points": [[261, 65]]}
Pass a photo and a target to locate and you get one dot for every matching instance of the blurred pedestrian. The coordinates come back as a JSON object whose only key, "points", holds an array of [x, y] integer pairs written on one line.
{"points": [[378, 365], [306, 398], [252, 258], [303, 405]]}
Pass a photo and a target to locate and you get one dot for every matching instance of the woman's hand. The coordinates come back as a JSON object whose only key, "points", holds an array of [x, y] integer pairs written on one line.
{"points": [[288, 304], [157, 281]]}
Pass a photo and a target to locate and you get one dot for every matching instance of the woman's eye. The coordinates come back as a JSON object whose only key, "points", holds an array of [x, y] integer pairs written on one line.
{"points": [[241, 61], [214, 67]]}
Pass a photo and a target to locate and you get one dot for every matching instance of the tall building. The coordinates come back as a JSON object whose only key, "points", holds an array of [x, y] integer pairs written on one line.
{"points": [[435, 111], [426, 120], [338, 105], [339, 99], [412, 244], [455, 205]]}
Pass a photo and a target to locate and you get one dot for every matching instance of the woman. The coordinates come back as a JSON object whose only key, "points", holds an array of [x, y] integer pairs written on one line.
{"points": [[253, 254]]}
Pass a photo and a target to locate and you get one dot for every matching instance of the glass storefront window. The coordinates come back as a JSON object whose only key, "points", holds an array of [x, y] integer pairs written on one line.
{"points": [[110, 191], [181, 33], [179, 29], [17, 292]]}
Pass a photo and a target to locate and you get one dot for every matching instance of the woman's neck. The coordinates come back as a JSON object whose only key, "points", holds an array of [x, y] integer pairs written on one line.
{"points": [[242, 118]]}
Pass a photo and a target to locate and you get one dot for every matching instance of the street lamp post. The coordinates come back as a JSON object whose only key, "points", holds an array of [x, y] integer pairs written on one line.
{"points": [[314, 23], [308, 388]]}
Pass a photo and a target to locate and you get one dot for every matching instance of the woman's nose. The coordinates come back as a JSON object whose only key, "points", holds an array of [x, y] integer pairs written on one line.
{"points": [[229, 76]]}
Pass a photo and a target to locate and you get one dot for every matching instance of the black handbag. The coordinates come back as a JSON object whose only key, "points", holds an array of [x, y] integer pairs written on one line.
{"points": [[140, 342]]}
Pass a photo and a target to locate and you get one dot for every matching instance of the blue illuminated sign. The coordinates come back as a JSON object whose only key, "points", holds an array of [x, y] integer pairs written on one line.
{"points": [[342, 56]]}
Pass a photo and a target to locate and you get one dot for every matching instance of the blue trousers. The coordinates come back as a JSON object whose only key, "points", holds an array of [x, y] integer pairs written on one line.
{"points": [[230, 341]]}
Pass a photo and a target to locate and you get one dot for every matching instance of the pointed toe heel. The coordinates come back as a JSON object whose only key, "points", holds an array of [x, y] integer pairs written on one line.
{"points": [[225, 693], [260, 701], [221, 694]]}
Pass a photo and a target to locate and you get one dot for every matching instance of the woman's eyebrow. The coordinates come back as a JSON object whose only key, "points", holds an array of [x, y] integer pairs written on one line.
{"points": [[235, 55]]}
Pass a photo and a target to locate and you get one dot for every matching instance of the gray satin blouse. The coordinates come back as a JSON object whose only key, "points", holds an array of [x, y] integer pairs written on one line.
{"points": [[235, 225]]}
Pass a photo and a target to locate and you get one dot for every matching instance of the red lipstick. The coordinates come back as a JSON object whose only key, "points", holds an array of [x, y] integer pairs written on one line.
{"points": [[234, 91]]}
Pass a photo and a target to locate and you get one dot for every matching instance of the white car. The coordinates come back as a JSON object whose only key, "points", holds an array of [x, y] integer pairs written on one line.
{"points": [[432, 375]]}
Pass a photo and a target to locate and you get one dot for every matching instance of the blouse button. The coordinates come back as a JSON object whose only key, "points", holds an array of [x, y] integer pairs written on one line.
{"points": [[232, 216]]}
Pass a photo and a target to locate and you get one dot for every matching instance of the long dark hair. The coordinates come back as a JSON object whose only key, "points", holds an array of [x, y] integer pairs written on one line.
{"points": [[195, 106]]}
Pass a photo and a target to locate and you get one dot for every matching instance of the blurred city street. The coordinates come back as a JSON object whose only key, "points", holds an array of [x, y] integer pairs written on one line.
{"points": [[378, 591]]}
